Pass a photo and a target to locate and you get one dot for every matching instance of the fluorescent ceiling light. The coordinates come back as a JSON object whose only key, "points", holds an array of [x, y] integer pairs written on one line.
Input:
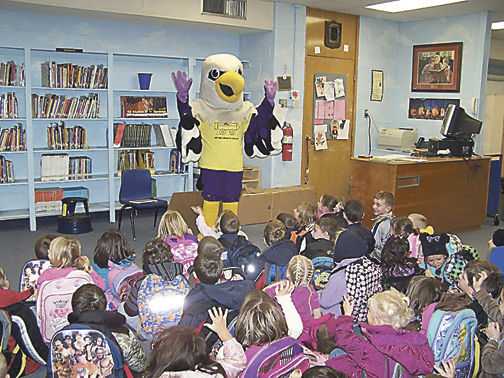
{"points": [[407, 5], [498, 25]]}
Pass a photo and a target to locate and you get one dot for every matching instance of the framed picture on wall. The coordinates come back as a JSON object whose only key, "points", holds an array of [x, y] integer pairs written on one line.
{"points": [[436, 68]]}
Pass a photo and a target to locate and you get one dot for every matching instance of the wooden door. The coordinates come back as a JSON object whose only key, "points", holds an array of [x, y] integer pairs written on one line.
{"points": [[329, 170]]}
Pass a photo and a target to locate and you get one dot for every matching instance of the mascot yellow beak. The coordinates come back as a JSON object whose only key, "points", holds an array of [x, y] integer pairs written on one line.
{"points": [[229, 86]]}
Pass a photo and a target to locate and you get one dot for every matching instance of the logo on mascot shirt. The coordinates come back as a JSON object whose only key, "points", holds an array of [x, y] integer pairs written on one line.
{"points": [[225, 130]]}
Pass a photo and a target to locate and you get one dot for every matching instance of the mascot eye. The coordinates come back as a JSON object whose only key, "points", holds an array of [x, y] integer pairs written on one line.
{"points": [[214, 74], [240, 72]]}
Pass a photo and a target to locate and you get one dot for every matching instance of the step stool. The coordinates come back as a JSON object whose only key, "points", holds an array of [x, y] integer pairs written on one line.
{"points": [[71, 223]]}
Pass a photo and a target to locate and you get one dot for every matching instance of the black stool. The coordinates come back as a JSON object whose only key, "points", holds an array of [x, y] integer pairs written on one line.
{"points": [[71, 223]]}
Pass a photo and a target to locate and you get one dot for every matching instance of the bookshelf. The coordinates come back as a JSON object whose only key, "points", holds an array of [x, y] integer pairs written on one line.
{"points": [[60, 77]]}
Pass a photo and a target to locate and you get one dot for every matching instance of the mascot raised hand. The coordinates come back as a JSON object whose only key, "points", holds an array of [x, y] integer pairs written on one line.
{"points": [[212, 130]]}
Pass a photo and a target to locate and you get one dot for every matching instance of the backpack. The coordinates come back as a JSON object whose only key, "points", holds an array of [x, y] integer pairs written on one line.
{"points": [[54, 302], [121, 280], [322, 267], [363, 280], [154, 292], [274, 273], [183, 250], [29, 275], [453, 335], [87, 353], [242, 253], [276, 359]]}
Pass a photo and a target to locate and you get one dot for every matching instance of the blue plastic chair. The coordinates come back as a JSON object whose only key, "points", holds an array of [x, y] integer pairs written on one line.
{"points": [[497, 258], [136, 194]]}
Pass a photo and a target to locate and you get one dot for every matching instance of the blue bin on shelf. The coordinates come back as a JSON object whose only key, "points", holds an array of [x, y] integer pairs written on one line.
{"points": [[494, 187]]}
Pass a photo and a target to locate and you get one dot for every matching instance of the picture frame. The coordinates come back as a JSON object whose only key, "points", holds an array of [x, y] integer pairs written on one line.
{"points": [[436, 67]]}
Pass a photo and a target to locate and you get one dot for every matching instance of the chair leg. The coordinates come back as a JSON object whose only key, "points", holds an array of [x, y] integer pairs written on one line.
{"points": [[155, 217], [120, 217], [132, 219]]}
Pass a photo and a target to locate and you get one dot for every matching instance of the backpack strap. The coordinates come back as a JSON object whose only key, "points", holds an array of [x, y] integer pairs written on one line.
{"points": [[266, 351]]}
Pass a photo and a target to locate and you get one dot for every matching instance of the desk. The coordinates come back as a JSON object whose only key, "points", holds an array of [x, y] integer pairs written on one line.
{"points": [[451, 193]]}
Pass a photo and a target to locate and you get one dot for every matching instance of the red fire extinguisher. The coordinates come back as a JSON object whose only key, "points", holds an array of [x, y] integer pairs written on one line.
{"points": [[287, 142]]}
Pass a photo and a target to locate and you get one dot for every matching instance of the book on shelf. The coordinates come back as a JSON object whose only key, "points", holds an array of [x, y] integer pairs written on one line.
{"points": [[132, 135], [135, 159], [80, 168], [53, 105], [176, 165], [61, 167], [48, 199], [143, 107], [164, 135], [68, 75], [6, 170], [61, 138], [12, 74], [8, 105], [13, 139]]}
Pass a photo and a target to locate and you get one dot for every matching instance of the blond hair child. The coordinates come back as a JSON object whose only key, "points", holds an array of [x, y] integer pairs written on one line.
{"points": [[65, 257], [306, 215]]}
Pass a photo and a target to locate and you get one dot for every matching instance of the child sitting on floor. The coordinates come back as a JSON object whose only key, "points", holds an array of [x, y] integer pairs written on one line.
{"points": [[323, 238], [306, 215]]}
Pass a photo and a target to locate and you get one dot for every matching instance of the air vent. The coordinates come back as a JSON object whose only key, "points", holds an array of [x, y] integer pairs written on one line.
{"points": [[226, 8]]}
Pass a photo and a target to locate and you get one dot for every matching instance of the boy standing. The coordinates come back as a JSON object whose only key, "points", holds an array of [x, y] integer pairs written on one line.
{"points": [[383, 202]]}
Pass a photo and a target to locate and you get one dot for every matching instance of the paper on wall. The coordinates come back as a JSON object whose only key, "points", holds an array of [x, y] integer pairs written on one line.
{"points": [[329, 90], [319, 85], [339, 88], [339, 109], [320, 137], [319, 109], [339, 129]]}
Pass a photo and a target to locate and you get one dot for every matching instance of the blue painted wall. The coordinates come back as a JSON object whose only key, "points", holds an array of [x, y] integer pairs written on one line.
{"points": [[388, 46]]}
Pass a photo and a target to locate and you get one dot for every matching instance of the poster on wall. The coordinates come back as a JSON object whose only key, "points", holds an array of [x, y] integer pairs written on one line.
{"points": [[329, 93], [429, 108]]}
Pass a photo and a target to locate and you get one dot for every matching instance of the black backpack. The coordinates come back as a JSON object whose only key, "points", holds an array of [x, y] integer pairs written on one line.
{"points": [[242, 253]]}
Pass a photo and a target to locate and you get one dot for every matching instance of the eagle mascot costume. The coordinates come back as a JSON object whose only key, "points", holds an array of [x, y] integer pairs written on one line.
{"points": [[212, 130]]}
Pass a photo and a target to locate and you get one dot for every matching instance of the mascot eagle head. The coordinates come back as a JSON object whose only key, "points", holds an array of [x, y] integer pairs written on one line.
{"points": [[222, 82]]}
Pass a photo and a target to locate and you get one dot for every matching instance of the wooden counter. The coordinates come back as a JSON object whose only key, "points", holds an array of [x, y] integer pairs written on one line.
{"points": [[451, 193]]}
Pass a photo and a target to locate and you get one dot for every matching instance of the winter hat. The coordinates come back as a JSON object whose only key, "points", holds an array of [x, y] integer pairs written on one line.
{"points": [[434, 244], [498, 237]]}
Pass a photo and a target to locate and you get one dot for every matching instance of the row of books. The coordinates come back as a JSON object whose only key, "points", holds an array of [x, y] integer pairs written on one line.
{"points": [[61, 167], [68, 75], [49, 199], [6, 170], [58, 106], [12, 74], [8, 105], [143, 107], [61, 138], [13, 139], [132, 135], [135, 159]]}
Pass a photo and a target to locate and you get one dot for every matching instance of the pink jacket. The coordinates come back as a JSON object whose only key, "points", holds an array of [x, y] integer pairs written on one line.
{"points": [[55, 273]]}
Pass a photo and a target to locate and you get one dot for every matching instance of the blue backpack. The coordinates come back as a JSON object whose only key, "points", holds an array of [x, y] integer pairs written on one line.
{"points": [[274, 273], [243, 254], [79, 350], [322, 268], [453, 335]]}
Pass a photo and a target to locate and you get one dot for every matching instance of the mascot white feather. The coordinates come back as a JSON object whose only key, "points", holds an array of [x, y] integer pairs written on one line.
{"points": [[212, 130]]}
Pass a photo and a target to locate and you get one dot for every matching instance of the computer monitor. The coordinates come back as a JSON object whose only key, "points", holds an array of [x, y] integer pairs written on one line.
{"points": [[457, 124]]}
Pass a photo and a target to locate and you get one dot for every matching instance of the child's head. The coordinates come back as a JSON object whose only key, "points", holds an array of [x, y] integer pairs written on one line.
{"points": [[180, 349], [497, 238], [401, 226], [353, 211], [156, 251], [113, 246], [325, 228], [300, 271], [64, 251], [260, 320], [383, 202], [473, 270], [274, 232], [395, 252], [322, 372], [88, 297], [419, 221], [210, 244], [172, 223], [423, 291], [389, 307], [305, 213], [4, 282], [208, 267], [288, 220], [434, 249], [42, 246], [229, 222], [327, 203]]}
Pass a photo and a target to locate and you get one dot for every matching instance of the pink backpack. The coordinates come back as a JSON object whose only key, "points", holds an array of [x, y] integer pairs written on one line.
{"points": [[276, 359], [121, 279], [54, 302], [183, 250]]}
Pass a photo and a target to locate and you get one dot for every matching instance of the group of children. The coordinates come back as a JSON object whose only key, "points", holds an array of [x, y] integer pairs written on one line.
{"points": [[324, 297]]}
